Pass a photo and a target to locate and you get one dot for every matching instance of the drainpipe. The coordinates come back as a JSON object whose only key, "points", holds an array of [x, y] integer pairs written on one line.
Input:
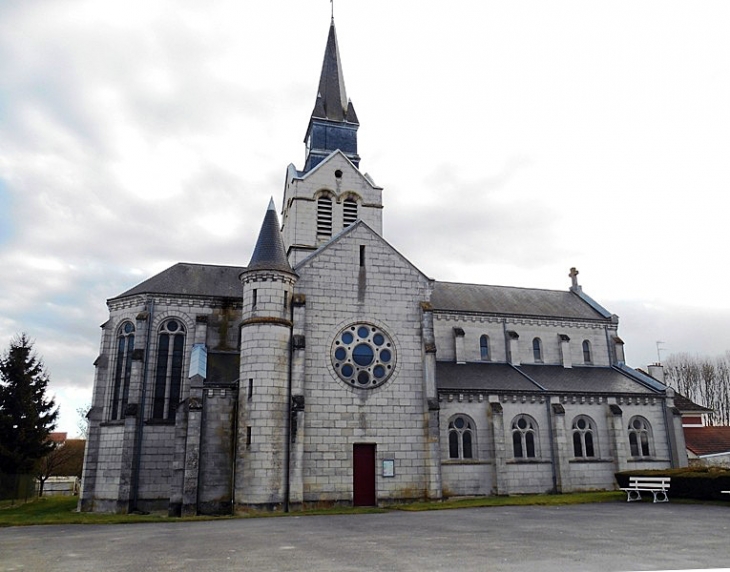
{"points": [[670, 436], [552, 444], [141, 412], [287, 422], [234, 444]]}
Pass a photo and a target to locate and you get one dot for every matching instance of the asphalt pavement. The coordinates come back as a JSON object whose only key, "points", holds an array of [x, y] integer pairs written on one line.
{"points": [[606, 537]]}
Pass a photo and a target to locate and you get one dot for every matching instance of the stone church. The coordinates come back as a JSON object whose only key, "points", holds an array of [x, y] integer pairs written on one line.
{"points": [[332, 370]]}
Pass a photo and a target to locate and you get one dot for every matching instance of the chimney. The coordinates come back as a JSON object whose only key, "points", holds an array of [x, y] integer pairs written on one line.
{"points": [[656, 370]]}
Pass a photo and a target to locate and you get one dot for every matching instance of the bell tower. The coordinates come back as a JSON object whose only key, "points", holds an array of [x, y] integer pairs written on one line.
{"points": [[331, 192]]}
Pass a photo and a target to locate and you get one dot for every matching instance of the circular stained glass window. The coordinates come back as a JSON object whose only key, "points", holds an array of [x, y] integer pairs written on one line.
{"points": [[363, 355]]}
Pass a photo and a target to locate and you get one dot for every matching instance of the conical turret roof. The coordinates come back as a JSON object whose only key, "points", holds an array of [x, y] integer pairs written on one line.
{"points": [[269, 253]]}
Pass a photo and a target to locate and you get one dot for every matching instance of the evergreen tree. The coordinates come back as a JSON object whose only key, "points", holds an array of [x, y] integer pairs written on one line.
{"points": [[27, 415]]}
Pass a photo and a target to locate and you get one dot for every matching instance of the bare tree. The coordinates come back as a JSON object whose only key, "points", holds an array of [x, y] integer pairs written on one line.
{"points": [[682, 373], [82, 423], [723, 397], [65, 459], [704, 380]]}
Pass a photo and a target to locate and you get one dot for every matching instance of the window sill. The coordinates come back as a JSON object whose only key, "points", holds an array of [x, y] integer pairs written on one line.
{"points": [[113, 423], [589, 460], [646, 460], [465, 462], [529, 462], [159, 422]]}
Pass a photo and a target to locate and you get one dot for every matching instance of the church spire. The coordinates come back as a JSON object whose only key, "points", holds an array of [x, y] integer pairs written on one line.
{"points": [[332, 102], [333, 124]]}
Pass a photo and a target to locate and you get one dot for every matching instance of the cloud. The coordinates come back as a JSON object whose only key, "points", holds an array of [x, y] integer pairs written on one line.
{"points": [[680, 328], [6, 214], [137, 135]]}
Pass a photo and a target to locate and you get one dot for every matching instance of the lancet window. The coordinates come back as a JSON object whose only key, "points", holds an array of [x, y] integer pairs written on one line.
{"points": [[122, 370], [169, 369]]}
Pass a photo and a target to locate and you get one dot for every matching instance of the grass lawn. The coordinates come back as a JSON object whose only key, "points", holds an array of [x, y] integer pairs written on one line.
{"points": [[62, 510]]}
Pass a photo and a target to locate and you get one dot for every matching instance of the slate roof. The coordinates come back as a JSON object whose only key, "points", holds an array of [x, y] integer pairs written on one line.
{"points": [[707, 440], [488, 376], [192, 280], [507, 300], [269, 253], [686, 405], [332, 102], [556, 378], [481, 376]]}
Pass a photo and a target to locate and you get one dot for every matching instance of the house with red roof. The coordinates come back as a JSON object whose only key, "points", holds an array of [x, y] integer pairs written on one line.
{"points": [[708, 445]]}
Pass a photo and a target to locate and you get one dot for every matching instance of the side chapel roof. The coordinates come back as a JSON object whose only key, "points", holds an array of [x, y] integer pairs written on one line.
{"points": [[481, 376], [186, 279]]}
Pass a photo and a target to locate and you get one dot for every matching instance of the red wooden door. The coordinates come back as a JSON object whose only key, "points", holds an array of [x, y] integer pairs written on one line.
{"points": [[363, 474]]}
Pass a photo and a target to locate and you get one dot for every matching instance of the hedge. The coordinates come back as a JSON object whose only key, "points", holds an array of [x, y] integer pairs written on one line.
{"points": [[701, 483]]}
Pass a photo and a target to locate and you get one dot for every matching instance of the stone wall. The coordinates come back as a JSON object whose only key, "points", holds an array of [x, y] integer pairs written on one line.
{"points": [[493, 468], [547, 330], [217, 450], [361, 280]]}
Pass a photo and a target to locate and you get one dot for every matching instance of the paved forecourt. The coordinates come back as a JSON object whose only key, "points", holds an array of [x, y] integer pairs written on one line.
{"points": [[605, 537]]}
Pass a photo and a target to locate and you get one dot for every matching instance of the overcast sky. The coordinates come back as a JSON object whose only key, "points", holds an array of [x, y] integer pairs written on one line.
{"points": [[513, 139]]}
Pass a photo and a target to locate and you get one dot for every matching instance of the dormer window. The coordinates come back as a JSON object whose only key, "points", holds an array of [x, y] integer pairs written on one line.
{"points": [[537, 350], [587, 352], [484, 348]]}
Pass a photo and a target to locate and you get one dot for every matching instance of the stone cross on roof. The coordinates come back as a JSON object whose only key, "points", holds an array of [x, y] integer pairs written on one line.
{"points": [[574, 279]]}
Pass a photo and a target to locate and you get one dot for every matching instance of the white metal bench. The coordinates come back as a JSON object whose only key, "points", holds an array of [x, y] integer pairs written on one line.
{"points": [[656, 485]]}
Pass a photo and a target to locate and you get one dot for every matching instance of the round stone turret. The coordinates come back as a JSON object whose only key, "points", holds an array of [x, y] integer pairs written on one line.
{"points": [[263, 397]]}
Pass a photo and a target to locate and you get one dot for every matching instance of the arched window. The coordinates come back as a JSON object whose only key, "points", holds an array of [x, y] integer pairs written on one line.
{"points": [[640, 438], [484, 348], [587, 352], [584, 440], [169, 371], [324, 217], [122, 370], [524, 437], [349, 212], [461, 438], [537, 349]]}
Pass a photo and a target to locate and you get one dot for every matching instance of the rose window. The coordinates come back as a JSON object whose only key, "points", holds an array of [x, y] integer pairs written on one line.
{"points": [[363, 355]]}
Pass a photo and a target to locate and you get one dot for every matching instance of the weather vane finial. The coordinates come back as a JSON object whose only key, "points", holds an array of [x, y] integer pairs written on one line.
{"points": [[332, 8]]}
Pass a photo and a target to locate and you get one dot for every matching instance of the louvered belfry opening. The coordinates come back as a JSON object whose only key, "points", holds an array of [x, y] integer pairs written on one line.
{"points": [[349, 212], [324, 218]]}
